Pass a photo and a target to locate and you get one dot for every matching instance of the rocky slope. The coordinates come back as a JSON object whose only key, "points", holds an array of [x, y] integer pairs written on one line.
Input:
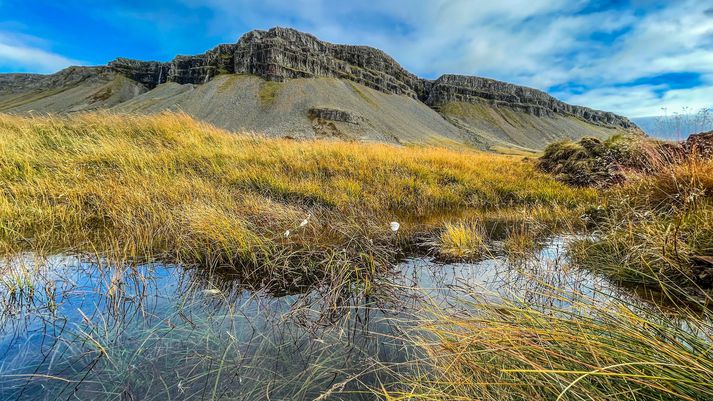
{"points": [[477, 111]]}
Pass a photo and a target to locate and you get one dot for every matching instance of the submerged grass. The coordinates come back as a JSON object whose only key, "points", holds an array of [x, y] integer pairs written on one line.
{"points": [[168, 186]]}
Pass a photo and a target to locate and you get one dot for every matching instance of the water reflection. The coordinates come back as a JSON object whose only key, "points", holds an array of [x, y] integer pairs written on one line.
{"points": [[76, 328], [546, 279]]}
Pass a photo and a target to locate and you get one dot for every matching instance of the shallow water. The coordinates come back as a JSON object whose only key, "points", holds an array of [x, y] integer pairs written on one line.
{"points": [[75, 328]]}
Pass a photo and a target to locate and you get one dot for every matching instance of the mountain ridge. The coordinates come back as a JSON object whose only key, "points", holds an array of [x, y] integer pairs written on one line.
{"points": [[284, 54]]}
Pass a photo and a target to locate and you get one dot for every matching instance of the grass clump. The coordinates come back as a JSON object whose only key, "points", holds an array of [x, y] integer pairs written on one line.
{"points": [[462, 240], [167, 186], [657, 227], [521, 240]]}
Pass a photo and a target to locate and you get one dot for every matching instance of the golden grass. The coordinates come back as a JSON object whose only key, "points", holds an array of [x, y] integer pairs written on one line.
{"points": [[463, 239], [657, 227], [616, 351], [168, 186]]}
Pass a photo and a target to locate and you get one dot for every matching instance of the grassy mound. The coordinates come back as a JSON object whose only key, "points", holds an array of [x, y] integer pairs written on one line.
{"points": [[167, 186], [593, 162], [657, 227]]}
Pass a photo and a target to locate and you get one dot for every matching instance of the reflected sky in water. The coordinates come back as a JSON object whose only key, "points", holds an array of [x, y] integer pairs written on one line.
{"points": [[73, 328]]}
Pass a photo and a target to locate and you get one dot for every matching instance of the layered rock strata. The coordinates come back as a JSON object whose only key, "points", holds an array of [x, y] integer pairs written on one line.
{"points": [[281, 54]]}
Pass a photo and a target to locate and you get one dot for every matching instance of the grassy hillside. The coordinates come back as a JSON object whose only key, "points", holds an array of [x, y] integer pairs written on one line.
{"points": [[496, 127], [167, 186], [70, 95]]}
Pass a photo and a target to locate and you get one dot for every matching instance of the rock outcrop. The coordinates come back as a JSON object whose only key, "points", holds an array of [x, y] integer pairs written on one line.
{"points": [[700, 145], [328, 114], [459, 88]]}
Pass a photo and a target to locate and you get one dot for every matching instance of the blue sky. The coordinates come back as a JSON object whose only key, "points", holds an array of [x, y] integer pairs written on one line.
{"points": [[632, 57]]}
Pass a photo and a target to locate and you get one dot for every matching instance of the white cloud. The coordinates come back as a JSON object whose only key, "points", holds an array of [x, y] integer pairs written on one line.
{"points": [[644, 100], [540, 43], [23, 53]]}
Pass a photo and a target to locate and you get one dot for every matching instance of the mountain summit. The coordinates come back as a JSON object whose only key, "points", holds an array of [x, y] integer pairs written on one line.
{"points": [[283, 82]]}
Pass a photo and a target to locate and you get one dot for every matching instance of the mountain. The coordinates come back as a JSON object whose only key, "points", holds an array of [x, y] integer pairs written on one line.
{"points": [[283, 82]]}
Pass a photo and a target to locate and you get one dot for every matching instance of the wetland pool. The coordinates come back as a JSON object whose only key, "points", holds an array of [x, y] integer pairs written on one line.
{"points": [[78, 328]]}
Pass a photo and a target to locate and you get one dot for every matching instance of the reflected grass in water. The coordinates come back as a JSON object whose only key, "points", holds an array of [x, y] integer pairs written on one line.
{"points": [[564, 339], [493, 329], [156, 331], [162, 332]]}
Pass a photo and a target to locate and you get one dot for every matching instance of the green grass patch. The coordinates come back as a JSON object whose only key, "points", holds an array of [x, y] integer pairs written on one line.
{"points": [[268, 92], [362, 95]]}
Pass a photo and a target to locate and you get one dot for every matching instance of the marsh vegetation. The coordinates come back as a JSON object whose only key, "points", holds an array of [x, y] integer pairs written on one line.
{"points": [[155, 257]]}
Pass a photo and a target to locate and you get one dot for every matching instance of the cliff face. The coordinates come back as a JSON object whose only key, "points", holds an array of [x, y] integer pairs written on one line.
{"points": [[350, 91], [459, 88], [280, 54], [277, 55]]}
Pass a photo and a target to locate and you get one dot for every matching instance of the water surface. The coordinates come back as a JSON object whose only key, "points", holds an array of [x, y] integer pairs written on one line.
{"points": [[77, 328]]}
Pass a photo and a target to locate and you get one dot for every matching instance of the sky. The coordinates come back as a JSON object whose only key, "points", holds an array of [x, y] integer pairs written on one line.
{"points": [[632, 57]]}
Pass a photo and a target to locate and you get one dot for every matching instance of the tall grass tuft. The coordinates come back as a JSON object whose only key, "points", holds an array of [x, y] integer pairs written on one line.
{"points": [[613, 351], [657, 227], [464, 239]]}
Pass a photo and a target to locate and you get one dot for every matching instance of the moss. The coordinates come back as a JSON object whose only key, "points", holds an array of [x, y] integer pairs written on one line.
{"points": [[362, 95], [268, 92]]}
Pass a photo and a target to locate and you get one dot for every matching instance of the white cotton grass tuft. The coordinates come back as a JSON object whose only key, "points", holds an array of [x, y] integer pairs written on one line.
{"points": [[306, 220], [394, 225], [287, 233]]}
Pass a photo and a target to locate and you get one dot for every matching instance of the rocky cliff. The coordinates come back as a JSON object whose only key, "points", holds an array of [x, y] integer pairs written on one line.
{"points": [[289, 83], [459, 88], [277, 55], [280, 54]]}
